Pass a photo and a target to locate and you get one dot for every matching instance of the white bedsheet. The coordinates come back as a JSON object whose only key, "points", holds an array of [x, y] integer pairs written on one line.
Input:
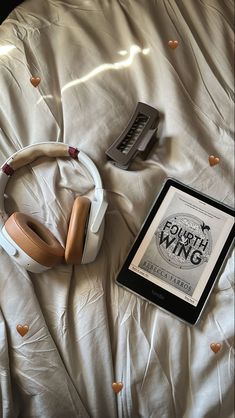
{"points": [[96, 59]]}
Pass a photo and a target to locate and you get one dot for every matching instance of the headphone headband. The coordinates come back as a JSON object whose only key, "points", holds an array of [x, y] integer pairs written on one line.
{"points": [[30, 153]]}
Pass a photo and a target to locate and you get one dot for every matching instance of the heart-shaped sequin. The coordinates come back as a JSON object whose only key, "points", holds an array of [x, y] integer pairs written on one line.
{"points": [[22, 329], [117, 386], [173, 43], [35, 81], [215, 347], [213, 160]]}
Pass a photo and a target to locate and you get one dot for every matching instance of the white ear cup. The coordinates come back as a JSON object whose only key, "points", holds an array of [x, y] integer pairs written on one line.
{"points": [[92, 240], [23, 258]]}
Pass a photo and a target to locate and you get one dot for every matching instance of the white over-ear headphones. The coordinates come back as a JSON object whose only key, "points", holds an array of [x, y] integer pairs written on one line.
{"points": [[29, 242]]}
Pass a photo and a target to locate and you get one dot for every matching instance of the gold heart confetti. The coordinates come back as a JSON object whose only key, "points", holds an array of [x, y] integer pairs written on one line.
{"points": [[22, 329], [117, 386], [35, 81], [215, 347], [213, 160], [173, 43]]}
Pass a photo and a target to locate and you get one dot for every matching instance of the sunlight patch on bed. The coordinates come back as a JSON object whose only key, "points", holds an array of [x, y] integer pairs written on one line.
{"points": [[6, 48], [134, 50]]}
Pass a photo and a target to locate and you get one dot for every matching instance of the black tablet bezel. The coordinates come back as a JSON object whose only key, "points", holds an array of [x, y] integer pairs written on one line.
{"points": [[156, 294]]}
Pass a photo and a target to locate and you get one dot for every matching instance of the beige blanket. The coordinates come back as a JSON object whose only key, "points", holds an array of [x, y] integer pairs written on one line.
{"points": [[95, 60]]}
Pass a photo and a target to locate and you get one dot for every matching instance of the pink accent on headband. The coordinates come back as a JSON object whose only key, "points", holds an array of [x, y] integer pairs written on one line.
{"points": [[7, 169], [73, 152]]}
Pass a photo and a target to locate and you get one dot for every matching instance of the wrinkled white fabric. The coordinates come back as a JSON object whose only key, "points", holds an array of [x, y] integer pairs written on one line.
{"points": [[96, 60]]}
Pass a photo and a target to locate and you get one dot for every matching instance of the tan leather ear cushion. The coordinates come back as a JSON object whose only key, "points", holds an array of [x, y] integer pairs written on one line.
{"points": [[34, 239], [77, 230]]}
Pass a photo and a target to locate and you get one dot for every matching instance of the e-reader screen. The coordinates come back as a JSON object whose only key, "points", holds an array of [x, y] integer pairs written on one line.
{"points": [[181, 242]]}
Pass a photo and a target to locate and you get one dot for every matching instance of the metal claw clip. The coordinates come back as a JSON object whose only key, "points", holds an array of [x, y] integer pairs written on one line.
{"points": [[137, 138]]}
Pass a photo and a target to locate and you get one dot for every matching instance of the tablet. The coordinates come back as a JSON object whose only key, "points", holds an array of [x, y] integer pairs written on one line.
{"points": [[181, 247]]}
